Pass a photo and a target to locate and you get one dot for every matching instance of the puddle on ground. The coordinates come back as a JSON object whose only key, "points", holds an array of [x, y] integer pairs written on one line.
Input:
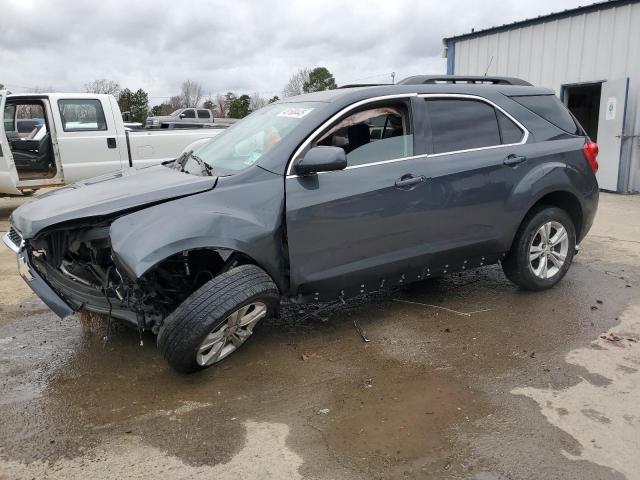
{"points": [[394, 406], [400, 417]]}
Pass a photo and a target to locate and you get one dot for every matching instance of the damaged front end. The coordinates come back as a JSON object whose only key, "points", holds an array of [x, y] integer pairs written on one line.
{"points": [[78, 263]]}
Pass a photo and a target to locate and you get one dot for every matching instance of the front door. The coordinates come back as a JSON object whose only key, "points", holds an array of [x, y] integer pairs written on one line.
{"points": [[8, 173], [611, 122], [350, 230]]}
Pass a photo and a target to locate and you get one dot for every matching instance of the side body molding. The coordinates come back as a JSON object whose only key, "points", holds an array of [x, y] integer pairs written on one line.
{"points": [[225, 217]]}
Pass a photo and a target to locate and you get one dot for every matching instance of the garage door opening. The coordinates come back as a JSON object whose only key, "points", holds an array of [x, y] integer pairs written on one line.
{"points": [[584, 102]]}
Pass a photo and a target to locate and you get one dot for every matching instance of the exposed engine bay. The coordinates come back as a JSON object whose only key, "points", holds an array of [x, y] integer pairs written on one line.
{"points": [[78, 262]]}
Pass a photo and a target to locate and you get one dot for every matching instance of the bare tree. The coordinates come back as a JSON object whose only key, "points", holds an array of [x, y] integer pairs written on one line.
{"points": [[191, 94], [33, 110], [257, 102], [103, 85], [295, 85], [176, 102], [221, 105]]}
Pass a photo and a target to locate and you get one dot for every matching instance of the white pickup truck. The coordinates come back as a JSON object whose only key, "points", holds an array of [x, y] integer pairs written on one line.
{"points": [[81, 135]]}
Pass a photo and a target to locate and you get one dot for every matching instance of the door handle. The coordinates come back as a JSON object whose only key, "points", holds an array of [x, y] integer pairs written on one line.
{"points": [[408, 181], [111, 142], [514, 160]]}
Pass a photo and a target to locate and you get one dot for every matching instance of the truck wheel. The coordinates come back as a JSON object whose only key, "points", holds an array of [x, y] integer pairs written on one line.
{"points": [[217, 318], [542, 251]]}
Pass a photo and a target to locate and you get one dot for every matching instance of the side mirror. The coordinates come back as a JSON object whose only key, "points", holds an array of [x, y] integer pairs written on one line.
{"points": [[321, 159], [181, 115]]}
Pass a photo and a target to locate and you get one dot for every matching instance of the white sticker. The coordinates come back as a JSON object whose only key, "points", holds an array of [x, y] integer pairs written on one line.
{"points": [[295, 112], [611, 108]]}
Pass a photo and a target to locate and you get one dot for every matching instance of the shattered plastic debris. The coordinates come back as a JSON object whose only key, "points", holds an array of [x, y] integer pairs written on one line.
{"points": [[611, 337]]}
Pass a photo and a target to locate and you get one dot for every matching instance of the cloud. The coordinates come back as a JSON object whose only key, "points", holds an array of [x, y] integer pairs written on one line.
{"points": [[236, 46]]}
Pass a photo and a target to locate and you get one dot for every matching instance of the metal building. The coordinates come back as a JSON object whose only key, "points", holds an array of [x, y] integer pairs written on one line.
{"points": [[590, 56]]}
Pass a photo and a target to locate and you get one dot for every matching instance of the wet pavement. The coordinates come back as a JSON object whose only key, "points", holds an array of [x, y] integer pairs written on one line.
{"points": [[464, 377]]}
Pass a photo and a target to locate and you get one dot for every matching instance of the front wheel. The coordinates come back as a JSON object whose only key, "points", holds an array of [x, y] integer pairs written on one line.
{"points": [[542, 251], [215, 320]]}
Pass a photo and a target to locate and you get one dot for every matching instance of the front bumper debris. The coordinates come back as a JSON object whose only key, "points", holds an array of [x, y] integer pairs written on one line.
{"points": [[41, 288]]}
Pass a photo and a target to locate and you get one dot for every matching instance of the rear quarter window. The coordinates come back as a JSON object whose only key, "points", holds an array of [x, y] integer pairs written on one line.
{"points": [[551, 109], [510, 132]]}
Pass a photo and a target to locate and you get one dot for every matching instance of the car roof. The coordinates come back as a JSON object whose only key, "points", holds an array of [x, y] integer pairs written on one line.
{"points": [[78, 96], [363, 92]]}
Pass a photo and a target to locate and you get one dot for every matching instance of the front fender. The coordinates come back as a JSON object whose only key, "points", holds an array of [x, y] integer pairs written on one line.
{"points": [[244, 218]]}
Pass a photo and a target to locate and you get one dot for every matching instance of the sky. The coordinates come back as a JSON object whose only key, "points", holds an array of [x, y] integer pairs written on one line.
{"points": [[235, 45]]}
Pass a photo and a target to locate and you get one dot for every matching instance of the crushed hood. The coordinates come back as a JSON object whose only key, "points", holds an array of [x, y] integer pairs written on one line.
{"points": [[105, 195]]}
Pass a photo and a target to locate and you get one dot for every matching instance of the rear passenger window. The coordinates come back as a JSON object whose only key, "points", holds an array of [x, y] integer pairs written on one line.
{"points": [[203, 113], [551, 109], [82, 115], [462, 124], [509, 131], [373, 135]]}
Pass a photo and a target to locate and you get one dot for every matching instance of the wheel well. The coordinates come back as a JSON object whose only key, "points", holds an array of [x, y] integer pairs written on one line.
{"points": [[566, 201], [178, 276]]}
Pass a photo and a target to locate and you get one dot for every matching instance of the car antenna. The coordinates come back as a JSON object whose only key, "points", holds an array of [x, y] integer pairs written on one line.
{"points": [[488, 66]]}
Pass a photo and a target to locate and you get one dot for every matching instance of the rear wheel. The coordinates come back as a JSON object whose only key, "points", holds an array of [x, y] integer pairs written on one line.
{"points": [[542, 251], [217, 319]]}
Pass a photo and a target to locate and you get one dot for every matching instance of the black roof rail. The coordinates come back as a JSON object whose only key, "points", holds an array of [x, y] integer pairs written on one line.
{"points": [[356, 85], [423, 79]]}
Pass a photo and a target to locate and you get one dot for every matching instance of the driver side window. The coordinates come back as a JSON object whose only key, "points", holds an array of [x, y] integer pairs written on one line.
{"points": [[373, 134]]}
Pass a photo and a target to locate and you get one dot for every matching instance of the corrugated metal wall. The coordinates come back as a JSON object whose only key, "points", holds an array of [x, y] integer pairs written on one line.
{"points": [[593, 46]]}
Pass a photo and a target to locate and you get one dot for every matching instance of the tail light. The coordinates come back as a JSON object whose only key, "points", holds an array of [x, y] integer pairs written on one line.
{"points": [[590, 151]]}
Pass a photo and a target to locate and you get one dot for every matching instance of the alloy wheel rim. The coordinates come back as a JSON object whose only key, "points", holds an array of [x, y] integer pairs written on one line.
{"points": [[548, 250], [230, 334]]}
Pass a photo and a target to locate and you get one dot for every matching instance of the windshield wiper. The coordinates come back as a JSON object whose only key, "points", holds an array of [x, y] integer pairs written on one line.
{"points": [[181, 162], [206, 168]]}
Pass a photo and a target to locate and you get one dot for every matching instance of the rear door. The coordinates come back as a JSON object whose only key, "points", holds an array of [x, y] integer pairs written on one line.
{"points": [[611, 123], [87, 136], [476, 156], [204, 116], [8, 173]]}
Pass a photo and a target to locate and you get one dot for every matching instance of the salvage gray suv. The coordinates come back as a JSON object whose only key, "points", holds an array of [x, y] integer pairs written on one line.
{"points": [[316, 198]]}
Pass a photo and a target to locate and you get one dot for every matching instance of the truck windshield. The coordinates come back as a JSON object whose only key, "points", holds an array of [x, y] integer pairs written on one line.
{"points": [[242, 145]]}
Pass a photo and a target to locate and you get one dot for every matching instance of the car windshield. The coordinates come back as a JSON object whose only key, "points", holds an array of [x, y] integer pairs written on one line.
{"points": [[173, 114], [247, 141]]}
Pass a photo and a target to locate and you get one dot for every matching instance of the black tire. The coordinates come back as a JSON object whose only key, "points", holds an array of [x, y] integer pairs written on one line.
{"points": [[516, 265], [205, 310]]}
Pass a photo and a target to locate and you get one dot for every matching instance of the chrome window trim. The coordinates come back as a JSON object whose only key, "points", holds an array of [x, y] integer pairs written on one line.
{"points": [[522, 141], [326, 124]]}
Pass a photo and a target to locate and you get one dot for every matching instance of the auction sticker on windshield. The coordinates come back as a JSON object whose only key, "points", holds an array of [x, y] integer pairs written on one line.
{"points": [[295, 112]]}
